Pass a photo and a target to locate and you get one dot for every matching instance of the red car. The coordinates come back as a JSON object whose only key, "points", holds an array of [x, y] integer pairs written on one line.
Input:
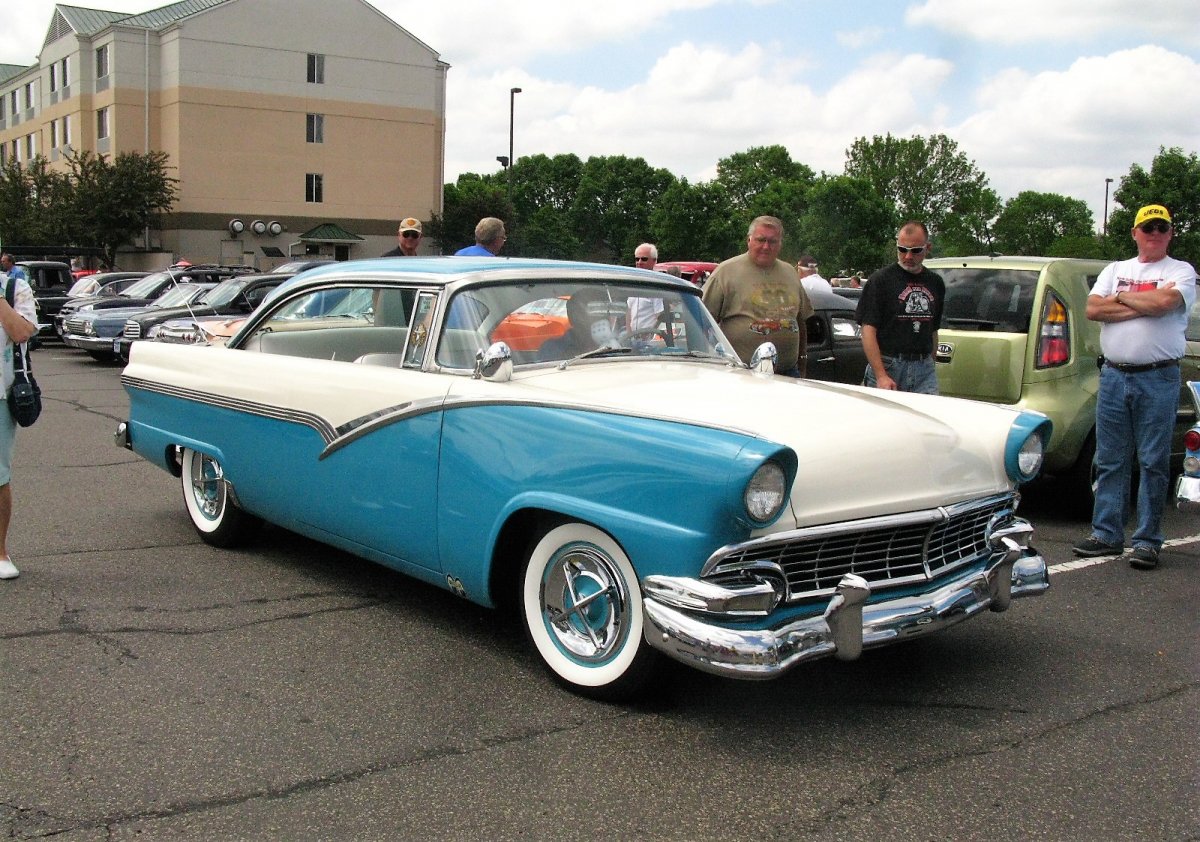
{"points": [[696, 271]]}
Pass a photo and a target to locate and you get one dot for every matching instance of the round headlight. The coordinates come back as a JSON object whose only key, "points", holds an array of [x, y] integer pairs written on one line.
{"points": [[153, 331], [765, 493], [1029, 458]]}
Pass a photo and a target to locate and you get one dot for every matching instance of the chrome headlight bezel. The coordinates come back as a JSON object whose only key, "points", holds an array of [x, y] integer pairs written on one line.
{"points": [[1025, 450], [766, 493]]}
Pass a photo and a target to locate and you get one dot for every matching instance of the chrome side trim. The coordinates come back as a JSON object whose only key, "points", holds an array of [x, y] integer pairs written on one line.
{"points": [[846, 627], [1187, 494]]}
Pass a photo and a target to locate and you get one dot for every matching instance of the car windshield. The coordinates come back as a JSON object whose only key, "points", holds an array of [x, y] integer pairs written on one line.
{"points": [[561, 321], [146, 286], [84, 286], [992, 299], [224, 292], [179, 295]]}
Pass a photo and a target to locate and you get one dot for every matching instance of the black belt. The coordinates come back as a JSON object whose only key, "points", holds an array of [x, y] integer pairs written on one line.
{"points": [[912, 358], [1127, 368]]}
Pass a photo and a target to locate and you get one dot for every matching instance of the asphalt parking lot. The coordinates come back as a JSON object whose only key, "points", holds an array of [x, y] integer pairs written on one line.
{"points": [[156, 688]]}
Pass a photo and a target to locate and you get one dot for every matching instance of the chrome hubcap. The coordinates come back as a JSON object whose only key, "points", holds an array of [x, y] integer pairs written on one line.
{"points": [[584, 603]]}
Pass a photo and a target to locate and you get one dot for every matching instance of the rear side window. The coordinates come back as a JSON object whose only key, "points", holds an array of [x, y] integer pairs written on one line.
{"points": [[999, 300], [1193, 325]]}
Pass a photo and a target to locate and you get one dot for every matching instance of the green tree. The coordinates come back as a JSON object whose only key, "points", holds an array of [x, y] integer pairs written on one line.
{"points": [[693, 222], [969, 228], [847, 225], [1172, 181], [116, 199], [1032, 222], [745, 175], [464, 203], [923, 178], [611, 211]]}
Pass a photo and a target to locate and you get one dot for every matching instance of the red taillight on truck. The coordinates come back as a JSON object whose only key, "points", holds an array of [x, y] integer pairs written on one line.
{"points": [[1054, 334]]}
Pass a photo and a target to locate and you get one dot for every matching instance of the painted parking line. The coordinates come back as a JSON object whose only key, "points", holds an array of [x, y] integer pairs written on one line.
{"points": [[1080, 563]]}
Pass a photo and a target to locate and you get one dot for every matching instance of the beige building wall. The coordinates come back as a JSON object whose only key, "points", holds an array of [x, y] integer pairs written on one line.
{"points": [[225, 94]]}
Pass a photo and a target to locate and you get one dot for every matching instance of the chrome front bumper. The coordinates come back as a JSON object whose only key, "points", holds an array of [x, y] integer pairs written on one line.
{"points": [[1187, 494], [88, 343], [848, 624]]}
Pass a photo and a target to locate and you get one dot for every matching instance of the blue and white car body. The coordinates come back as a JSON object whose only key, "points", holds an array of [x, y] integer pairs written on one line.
{"points": [[1187, 487], [650, 496]]}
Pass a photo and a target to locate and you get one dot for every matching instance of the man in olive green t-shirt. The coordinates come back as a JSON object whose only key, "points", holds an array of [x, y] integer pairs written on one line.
{"points": [[756, 298]]}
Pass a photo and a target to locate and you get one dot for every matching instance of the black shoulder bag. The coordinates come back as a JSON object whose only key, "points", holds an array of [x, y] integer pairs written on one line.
{"points": [[24, 398]]}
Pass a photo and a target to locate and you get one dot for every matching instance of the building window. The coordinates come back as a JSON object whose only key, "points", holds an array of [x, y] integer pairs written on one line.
{"points": [[315, 132], [102, 62], [30, 147], [3, 154], [66, 131], [316, 68], [313, 189], [54, 134], [54, 77], [64, 78], [29, 94], [102, 124], [3, 104]]}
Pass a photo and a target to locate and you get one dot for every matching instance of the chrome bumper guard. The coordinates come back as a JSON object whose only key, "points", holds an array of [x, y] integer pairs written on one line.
{"points": [[1187, 494], [675, 624], [121, 436], [88, 343]]}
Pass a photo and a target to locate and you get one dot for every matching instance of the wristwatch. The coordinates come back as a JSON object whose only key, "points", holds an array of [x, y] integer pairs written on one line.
{"points": [[1117, 297]]}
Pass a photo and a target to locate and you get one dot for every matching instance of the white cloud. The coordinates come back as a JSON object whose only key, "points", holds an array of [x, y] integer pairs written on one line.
{"points": [[1064, 132], [1024, 21], [860, 38]]}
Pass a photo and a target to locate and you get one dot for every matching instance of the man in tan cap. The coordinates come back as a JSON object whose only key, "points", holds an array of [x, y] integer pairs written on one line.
{"points": [[1142, 305], [407, 239]]}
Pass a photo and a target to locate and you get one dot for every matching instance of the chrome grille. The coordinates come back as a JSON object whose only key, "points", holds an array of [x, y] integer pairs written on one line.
{"points": [[133, 330], [885, 551], [75, 326]]}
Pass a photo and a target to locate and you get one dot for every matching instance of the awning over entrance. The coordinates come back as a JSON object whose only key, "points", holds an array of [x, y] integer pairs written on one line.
{"points": [[332, 233]]}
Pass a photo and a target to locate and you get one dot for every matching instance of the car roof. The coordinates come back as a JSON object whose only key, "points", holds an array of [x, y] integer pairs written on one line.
{"points": [[822, 300], [1005, 261]]}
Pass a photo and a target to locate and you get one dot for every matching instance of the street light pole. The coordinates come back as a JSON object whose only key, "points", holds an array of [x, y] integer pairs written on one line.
{"points": [[1107, 182], [512, 105]]}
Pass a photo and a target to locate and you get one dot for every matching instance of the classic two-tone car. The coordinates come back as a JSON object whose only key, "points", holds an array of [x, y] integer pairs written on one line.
{"points": [[628, 495]]}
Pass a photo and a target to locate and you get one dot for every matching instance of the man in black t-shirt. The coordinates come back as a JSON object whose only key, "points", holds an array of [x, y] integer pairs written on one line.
{"points": [[408, 239], [900, 312]]}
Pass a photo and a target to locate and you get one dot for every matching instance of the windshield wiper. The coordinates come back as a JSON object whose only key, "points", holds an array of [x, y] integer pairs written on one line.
{"points": [[593, 354]]}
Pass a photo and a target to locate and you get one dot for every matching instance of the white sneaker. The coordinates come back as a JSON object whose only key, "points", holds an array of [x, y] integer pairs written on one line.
{"points": [[8, 570]]}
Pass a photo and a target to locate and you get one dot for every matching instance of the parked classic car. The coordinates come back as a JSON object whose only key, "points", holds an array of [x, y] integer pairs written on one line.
{"points": [[627, 496], [1015, 332], [50, 281], [91, 288], [99, 331], [695, 271], [233, 296]]}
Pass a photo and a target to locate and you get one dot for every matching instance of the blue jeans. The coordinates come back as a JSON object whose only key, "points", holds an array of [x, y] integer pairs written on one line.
{"points": [[1135, 418], [910, 375]]}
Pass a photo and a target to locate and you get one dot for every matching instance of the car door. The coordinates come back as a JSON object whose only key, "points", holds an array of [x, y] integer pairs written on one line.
{"points": [[341, 441]]}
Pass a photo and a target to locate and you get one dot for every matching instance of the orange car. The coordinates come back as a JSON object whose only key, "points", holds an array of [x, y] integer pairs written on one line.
{"points": [[526, 328]]}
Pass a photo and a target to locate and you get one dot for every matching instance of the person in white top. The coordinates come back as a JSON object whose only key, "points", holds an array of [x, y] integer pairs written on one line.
{"points": [[806, 268], [644, 312], [18, 323], [1142, 305]]}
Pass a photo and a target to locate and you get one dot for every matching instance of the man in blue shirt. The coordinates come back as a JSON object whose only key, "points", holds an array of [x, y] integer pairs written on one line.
{"points": [[489, 239], [10, 268]]}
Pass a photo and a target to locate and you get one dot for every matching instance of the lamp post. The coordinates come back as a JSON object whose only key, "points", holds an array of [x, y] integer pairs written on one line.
{"points": [[1107, 182], [512, 105]]}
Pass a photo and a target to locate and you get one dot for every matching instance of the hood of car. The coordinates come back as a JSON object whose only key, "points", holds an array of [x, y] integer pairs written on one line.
{"points": [[933, 447]]}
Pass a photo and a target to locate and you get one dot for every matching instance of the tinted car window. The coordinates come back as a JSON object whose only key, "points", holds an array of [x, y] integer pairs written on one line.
{"points": [[1193, 325], [989, 299]]}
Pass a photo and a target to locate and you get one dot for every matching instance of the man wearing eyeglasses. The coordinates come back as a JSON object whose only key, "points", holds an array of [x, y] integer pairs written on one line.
{"points": [[756, 298], [489, 239], [900, 312], [407, 239], [1142, 305], [644, 313]]}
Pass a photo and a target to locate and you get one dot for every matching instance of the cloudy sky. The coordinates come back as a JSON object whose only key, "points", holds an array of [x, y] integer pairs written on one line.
{"points": [[1050, 95]]}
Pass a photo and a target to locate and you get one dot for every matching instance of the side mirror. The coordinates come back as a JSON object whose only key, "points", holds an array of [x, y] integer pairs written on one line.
{"points": [[494, 364], [764, 357]]}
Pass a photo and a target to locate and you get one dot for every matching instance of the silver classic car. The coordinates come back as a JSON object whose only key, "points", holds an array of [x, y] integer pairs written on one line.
{"points": [[629, 494]]}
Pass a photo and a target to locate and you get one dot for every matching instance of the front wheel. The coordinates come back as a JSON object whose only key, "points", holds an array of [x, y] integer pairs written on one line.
{"points": [[205, 494], [582, 608]]}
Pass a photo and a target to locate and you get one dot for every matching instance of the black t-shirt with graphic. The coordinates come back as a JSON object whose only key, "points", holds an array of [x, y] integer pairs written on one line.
{"points": [[905, 309]]}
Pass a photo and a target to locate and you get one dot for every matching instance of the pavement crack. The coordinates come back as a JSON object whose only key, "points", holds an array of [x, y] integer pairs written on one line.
{"points": [[875, 792]]}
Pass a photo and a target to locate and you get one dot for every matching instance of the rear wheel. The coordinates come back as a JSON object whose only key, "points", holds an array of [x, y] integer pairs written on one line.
{"points": [[582, 609], [206, 495]]}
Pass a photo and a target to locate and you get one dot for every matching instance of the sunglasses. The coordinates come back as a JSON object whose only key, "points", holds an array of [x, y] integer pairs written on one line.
{"points": [[911, 249], [411, 235], [1155, 226]]}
